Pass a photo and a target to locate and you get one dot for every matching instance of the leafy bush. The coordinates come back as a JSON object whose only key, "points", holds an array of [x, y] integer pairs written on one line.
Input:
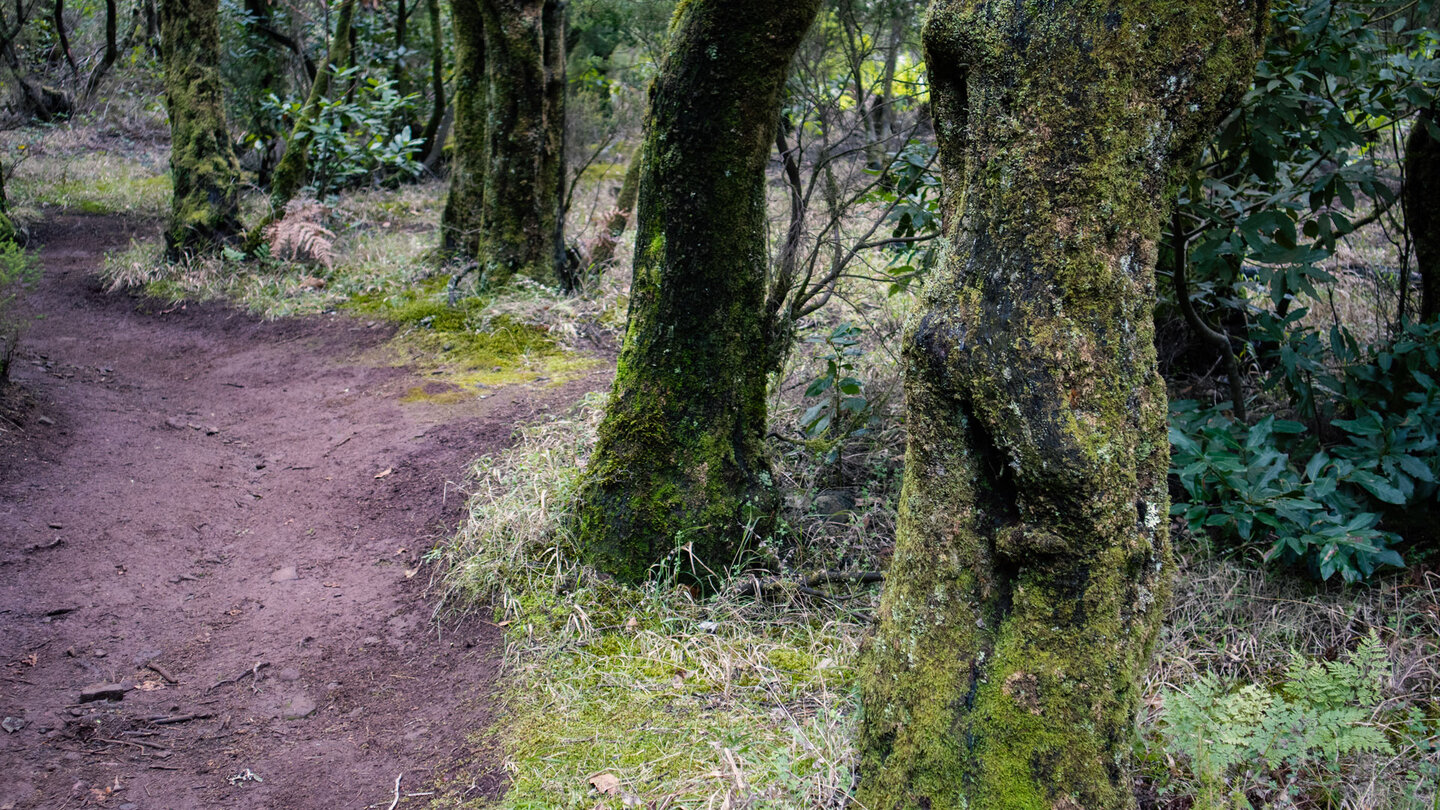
{"points": [[353, 139], [1314, 491], [18, 269], [1238, 738]]}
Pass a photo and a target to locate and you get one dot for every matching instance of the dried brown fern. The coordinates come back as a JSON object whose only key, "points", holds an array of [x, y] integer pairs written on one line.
{"points": [[300, 235]]}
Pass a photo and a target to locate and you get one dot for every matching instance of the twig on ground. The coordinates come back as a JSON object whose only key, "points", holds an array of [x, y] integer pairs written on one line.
{"points": [[253, 671], [397, 791], [164, 720]]}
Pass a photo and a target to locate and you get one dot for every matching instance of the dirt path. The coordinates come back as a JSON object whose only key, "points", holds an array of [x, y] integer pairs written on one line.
{"points": [[223, 517]]}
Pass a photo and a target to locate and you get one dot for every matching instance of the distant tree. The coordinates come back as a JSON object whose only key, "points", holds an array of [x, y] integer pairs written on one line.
{"points": [[203, 167], [505, 194], [1421, 199], [1032, 557], [680, 458]]}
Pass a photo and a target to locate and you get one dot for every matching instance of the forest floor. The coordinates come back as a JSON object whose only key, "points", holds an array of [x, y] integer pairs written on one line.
{"points": [[220, 519]]}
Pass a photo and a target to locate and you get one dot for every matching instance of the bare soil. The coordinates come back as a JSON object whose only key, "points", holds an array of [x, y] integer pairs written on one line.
{"points": [[222, 519]]}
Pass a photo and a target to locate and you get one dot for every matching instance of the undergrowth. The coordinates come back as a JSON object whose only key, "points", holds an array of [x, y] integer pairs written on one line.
{"points": [[667, 699]]}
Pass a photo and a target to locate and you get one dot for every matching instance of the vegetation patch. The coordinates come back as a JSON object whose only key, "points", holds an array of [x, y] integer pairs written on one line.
{"points": [[636, 696]]}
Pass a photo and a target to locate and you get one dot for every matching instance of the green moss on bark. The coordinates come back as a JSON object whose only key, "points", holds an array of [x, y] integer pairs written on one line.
{"points": [[680, 458], [504, 203], [292, 173], [460, 222], [1032, 556], [203, 167]]}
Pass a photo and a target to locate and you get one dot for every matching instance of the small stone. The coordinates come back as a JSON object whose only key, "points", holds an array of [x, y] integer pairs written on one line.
{"points": [[297, 707], [99, 653], [289, 674], [102, 691], [45, 420], [56, 525], [286, 574], [175, 424], [12, 724], [211, 430]]}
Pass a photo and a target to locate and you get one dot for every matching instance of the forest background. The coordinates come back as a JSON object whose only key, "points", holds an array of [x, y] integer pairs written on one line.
{"points": [[1297, 665]]}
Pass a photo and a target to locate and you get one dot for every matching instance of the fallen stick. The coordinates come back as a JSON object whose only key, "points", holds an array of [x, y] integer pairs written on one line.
{"points": [[397, 792], [178, 718], [252, 671], [162, 672]]}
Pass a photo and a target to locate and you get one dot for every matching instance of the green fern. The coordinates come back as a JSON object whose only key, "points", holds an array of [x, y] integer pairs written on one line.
{"points": [[1320, 714]]}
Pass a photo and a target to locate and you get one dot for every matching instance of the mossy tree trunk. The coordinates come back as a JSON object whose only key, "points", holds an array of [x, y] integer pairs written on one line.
{"points": [[292, 172], [1032, 555], [7, 227], [680, 458], [460, 222], [1422, 189], [504, 203], [520, 207], [203, 168]]}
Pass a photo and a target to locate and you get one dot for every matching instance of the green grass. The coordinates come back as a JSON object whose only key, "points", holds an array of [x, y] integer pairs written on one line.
{"points": [[687, 702], [703, 702]]}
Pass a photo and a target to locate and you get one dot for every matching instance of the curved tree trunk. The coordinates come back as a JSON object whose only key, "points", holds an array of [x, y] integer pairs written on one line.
{"points": [[437, 80], [203, 168], [1032, 559], [292, 171], [460, 222], [1422, 184], [680, 459], [112, 49]]}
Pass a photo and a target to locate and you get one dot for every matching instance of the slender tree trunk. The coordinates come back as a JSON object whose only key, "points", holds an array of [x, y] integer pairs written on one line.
{"points": [[1421, 198], [680, 460], [437, 79], [1032, 558], [112, 49], [7, 227], [397, 70], [58, 20], [521, 202], [292, 172], [203, 168], [619, 218], [460, 222]]}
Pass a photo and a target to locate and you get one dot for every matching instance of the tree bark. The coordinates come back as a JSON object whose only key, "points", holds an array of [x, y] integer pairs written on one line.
{"points": [[1032, 557], [7, 227], [460, 222], [437, 79], [680, 460], [112, 49], [521, 202], [203, 167], [58, 20], [1422, 185], [293, 171]]}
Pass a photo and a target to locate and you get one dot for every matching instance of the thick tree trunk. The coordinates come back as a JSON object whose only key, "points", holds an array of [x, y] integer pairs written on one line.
{"points": [[460, 222], [1032, 559], [203, 168], [1422, 189], [521, 202], [680, 460]]}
